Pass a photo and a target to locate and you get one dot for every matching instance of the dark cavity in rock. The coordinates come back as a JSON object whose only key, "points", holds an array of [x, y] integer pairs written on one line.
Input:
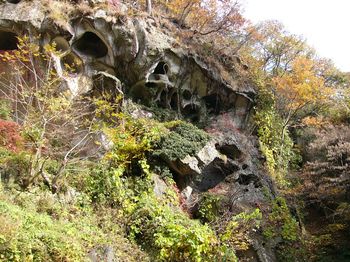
{"points": [[245, 179], [13, 1], [231, 151], [215, 173], [161, 69], [8, 41], [91, 45], [213, 103]]}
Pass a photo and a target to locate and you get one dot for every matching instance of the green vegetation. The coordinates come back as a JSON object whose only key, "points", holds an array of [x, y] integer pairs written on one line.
{"points": [[78, 174], [209, 207], [183, 139], [277, 148], [41, 227]]}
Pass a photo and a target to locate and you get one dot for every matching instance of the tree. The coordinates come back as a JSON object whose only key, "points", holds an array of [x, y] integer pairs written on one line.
{"points": [[299, 88], [51, 121], [277, 48], [149, 6], [208, 17]]}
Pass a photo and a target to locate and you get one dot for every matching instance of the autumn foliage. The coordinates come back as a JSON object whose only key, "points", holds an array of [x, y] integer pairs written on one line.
{"points": [[9, 135], [301, 86], [209, 16]]}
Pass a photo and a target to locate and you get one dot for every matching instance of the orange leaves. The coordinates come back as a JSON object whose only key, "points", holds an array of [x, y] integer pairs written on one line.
{"points": [[208, 16], [9, 135], [301, 86]]}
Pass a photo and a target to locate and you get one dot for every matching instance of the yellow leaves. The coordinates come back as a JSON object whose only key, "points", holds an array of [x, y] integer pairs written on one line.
{"points": [[207, 16], [314, 121], [301, 85]]}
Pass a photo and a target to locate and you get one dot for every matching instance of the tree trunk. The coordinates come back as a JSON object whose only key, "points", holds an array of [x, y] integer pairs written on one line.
{"points": [[149, 6]]}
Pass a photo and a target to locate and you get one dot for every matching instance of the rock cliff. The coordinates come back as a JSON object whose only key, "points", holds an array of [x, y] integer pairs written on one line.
{"points": [[137, 56]]}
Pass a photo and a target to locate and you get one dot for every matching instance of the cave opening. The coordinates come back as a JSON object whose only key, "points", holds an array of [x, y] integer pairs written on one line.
{"points": [[91, 45], [191, 112], [161, 69], [246, 179], [186, 94], [213, 103], [231, 151], [8, 41], [215, 173], [13, 1], [174, 101]]}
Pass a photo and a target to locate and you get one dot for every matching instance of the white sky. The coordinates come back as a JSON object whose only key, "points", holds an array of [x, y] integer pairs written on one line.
{"points": [[324, 23]]}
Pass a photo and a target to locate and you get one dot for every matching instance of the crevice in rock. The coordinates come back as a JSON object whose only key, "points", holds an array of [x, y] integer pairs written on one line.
{"points": [[213, 103], [89, 44], [191, 111], [8, 40], [215, 173], [245, 180], [174, 101], [244, 166], [186, 94], [230, 150], [162, 68], [13, 1]]}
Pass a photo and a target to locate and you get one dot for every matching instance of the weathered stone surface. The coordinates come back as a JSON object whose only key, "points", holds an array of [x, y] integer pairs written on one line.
{"points": [[134, 57], [140, 55], [23, 12]]}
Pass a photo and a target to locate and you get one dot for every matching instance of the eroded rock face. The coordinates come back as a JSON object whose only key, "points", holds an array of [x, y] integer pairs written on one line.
{"points": [[136, 52], [97, 55]]}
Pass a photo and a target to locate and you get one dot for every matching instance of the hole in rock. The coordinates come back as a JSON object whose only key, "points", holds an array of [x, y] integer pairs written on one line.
{"points": [[61, 44], [230, 151], [213, 103], [150, 84], [161, 69], [13, 1], [186, 94], [174, 101], [162, 102], [91, 45], [8, 41], [215, 173], [244, 166], [72, 64], [248, 179], [191, 111]]}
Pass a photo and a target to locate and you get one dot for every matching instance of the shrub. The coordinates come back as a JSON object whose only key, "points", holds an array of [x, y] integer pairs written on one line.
{"points": [[9, 135], [183, 139], [209, 207], [171, 235], [280, 222], [237, 231], [28, 236]]}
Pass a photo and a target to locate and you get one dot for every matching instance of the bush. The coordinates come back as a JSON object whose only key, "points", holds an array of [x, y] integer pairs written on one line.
{"points": [[10, 135], [280, 222], [183, 139], [171, 235], [209, 207], [26, 236]]}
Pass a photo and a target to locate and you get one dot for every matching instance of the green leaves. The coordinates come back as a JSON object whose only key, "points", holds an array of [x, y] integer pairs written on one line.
{"points": [[183, 139]]}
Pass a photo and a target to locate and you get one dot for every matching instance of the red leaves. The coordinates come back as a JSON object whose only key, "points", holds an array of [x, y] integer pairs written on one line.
{"points": [[9, 135]]}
